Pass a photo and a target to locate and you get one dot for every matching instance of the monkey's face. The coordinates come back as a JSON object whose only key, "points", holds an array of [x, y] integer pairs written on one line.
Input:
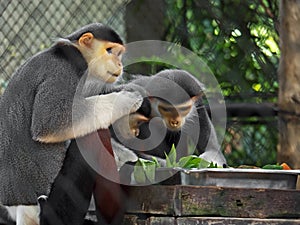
{"points": [[174, 116], [106, 61], [103, 57]]}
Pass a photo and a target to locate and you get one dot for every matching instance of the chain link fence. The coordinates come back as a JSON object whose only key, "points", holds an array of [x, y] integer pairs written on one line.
{"points": [[30, 26], [251, 141]]}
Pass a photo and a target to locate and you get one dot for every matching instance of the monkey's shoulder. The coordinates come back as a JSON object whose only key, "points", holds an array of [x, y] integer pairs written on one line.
{"points": [[53, 64]]}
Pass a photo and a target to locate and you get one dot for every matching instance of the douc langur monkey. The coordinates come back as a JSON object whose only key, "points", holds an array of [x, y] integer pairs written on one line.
{"points": [[176, 99], [62, 93], [70, 195]]}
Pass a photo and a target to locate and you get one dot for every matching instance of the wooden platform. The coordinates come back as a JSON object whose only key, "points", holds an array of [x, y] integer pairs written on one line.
{"points": [[154, 220], [179, 204]]}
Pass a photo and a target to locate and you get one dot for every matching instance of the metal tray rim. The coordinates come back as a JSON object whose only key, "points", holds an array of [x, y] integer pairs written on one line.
{"points": [[234, 170]]}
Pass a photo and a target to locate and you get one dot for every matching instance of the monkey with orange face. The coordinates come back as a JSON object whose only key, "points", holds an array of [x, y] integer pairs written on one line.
{"points": [[59, 94]]}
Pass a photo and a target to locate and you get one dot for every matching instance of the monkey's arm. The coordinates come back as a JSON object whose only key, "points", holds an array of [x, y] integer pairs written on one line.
{"points": [[67, 118], [206, 129], [208, 146], [94, 86]]}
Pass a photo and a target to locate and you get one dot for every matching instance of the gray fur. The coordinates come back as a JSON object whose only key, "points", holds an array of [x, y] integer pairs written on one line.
{"points": [[4, 216], [37, 103], [182, 88], [34, 94], [99, 31]]}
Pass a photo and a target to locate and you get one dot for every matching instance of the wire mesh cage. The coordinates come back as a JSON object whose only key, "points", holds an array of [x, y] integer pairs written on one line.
{"points": [[237, 38], [30, 26]]}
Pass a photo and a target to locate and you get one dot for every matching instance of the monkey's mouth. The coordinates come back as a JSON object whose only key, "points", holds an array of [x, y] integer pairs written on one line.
{"points": [[113, 74], [173, 126], [175, 129]]}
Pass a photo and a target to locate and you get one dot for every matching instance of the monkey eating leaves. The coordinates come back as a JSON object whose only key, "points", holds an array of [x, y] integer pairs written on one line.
{"points": [[176, 115]]}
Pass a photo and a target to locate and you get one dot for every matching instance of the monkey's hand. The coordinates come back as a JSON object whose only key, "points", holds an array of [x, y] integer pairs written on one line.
{"points": [[135, 120], [115, 105], [125, 103], [145, 108], [100, 111], [127, 127]]}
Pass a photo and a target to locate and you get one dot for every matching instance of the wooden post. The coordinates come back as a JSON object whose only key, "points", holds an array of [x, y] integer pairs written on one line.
{"points": [[289, 84]]}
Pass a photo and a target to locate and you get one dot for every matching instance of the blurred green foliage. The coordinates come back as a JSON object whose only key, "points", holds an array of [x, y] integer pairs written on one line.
{"points": [[238, 39]]}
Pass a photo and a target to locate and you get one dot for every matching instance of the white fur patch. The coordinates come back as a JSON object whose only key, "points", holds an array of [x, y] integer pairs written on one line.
{"points": [[96, 112], [24, 214], [106, 109], [122, 154]]}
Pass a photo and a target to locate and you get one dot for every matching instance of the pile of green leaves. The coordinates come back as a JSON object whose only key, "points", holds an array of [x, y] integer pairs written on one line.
{"points": [[144, 170]]}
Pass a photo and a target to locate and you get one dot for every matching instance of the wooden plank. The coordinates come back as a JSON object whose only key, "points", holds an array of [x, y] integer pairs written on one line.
{"points": [[132, 220], [235, 221], [238, 202], [135, 220], [152, 220], [155, 199], [161, 220], [183, 200]]}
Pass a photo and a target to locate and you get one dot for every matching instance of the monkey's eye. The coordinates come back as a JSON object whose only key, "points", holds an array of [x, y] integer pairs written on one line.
{"points": [[185, 109], [119, 53], [109, 50], [165, 109]]}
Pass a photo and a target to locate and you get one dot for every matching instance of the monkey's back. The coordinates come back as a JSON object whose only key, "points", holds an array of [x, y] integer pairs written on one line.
{"points": [[28, 167]]}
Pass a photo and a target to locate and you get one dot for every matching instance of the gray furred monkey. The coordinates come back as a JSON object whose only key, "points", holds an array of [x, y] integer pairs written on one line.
{"points": [[176, 98], [39, 113]]}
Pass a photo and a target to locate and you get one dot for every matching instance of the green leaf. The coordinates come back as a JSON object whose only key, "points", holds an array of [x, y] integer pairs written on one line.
{"points": [[184, 161], [154, 159], [138, 172], [168, 162], [212, 165], [145, 169], [193, 161], [203, 164], [171, 158], [150, 170], [190, 161], [272, 167]]}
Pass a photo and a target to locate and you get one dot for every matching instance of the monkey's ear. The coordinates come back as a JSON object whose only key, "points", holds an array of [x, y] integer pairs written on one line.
{"points": [[86, 39]]}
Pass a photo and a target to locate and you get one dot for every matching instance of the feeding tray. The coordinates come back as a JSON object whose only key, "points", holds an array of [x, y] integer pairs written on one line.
{"points": [[241, 178], [230, 177]]}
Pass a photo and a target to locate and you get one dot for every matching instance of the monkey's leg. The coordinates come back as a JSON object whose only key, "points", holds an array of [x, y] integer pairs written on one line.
{"points": [[108, 194], [97, 149], [71, 191]]}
